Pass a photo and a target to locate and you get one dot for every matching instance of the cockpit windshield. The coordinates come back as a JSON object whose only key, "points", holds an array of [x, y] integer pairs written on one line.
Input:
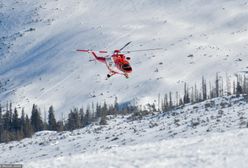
{"points": [[126, 67]]}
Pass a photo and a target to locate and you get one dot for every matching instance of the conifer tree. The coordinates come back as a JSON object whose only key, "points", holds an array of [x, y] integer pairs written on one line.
{"points": [[60, 126], [165, 104], [15, 122], [238, 89], [36, 121], [170, 101], [1, 125], [52, 124], [186, 98], [81, 114], [87, 117], [217, 86], [73, 120], [22, 122], [7, 120], [98, 111], [27, 129], [116, 105]]}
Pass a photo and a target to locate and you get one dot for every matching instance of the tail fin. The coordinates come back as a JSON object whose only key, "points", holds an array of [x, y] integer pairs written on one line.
{"points": [[100, 59]]}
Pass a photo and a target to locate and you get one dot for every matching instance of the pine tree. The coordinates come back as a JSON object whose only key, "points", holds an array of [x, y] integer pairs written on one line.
{"points": [[217, 85], [165, 104], [103, 111], [52, 124], [211, 94], [81, 116], [186, 98], [22, 123], [204, 89], [60, 126], [116, 105], [36, 121], [98, 111], [10, 113], [238, 89], [234, 87], [7, 120], [1, 125], [73, 120], [27, 129], [196, 96], [177, 98], [228, 85], [15, 123], [87, 117], [170, 100], [103, 120], [245, 85]]}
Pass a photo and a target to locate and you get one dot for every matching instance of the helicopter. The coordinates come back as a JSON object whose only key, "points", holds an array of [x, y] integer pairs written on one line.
{"points": [[117, 62]]}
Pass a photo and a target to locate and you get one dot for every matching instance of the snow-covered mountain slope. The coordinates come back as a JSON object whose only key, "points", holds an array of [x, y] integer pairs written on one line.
{"points": [[38, 39], [227, 150], [206, 134]]}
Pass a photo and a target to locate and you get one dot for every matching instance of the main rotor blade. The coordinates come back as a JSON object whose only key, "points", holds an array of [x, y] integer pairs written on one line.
{"points": [[125, 45], [143, 50], [102, 51]]}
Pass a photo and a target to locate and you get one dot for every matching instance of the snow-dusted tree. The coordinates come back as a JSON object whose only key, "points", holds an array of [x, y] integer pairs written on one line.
{"points": [[170, 100], [228, 85], [52, 124], [22, 121], [73, 120], [1, 124], [217, 86], [7, 119], [234, 87], [87, 117], [238, 89], [103, 120], [81, 114], [165, 103], [15, 123], [27, 129], [36, 120], [60, 126], [186, 98]]}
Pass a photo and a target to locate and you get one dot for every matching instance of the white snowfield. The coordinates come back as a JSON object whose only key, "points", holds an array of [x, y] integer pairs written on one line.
{"points": [[209, 134], [227, 150], [38, 42]]}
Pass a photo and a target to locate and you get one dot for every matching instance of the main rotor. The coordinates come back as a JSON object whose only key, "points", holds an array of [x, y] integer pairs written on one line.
{"points": [[117, 51]]}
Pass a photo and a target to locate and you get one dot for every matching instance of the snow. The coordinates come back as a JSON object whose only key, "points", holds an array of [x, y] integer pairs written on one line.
{"points": [[39, 41], [217, 150], [207, 134]]}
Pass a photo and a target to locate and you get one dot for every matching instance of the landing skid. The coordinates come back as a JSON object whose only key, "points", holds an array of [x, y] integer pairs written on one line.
{"points": [[113, 73]]}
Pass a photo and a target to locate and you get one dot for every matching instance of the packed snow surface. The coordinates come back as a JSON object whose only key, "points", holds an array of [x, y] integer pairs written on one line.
{"points": [[208, 134], [227, 150]]}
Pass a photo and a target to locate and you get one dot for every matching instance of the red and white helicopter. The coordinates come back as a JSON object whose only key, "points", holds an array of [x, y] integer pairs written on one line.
{"points": [[117, 63]]}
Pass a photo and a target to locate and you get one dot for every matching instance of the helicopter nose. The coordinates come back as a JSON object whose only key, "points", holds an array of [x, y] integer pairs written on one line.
{"points": [[127, 68]]}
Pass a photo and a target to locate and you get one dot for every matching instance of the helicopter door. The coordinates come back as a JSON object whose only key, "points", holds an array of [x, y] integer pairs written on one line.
{"points": [[110, 62], [111, 65]]}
